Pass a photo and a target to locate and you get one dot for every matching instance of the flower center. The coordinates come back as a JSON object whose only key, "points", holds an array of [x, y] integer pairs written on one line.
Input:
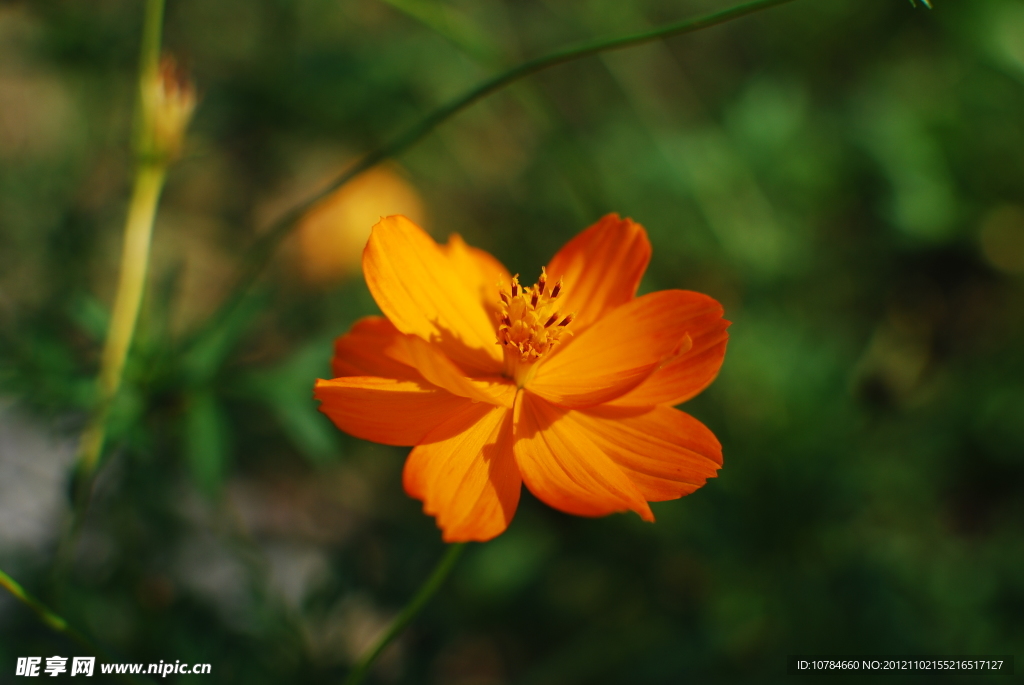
{"points": [[529, 325]]}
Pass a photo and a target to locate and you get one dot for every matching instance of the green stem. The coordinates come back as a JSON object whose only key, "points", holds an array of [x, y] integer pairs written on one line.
{"points": [[426, 591], [261, 252], [138, 233], [149, 49], [58, 624], [149, 178], [46, 615]]}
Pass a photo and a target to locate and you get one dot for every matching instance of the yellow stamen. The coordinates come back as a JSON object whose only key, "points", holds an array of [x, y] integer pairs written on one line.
{"points": [[526, 325]]}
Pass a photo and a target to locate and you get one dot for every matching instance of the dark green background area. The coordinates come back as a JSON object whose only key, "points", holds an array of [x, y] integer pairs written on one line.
{"points": [[845, 176]]}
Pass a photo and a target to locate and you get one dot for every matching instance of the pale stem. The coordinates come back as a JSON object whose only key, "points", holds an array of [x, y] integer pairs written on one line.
{"points": [[138, 233]]}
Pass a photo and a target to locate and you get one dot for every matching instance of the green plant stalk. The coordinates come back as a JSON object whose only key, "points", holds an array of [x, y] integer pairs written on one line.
{"points": [[46, 615], [423, 595], [57, 623], [150, 172], [138, 232], [259, 255]]}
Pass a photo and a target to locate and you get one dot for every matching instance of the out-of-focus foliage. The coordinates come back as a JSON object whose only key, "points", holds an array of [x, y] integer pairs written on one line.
{"points": [[847, 177]]}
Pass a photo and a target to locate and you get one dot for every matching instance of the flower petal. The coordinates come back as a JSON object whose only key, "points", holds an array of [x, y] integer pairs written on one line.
{"points": [[686, 376], [374, 347], [422, 291], [601, 268], [480, 269], [368, 350], [665, 452], [430, 361], [565, 468], [617, 353], [386, 410], [465, 474]]}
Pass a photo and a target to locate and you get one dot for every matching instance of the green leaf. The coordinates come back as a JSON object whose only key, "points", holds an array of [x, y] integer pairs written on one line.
{"points": [[288, 391], [205, 357], [207, 442], [90, 315]]}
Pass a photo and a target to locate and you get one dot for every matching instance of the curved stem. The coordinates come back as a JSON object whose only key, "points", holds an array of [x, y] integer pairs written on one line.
{"points": [[56, 622], [47, 616], [260, 254], [403, 619]]}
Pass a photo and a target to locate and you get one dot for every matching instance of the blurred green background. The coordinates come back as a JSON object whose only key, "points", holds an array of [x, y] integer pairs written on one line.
{"points": [[846, 177]]}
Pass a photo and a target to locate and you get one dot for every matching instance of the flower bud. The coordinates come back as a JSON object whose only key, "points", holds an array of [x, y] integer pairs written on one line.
{"points": [[168, 100]]}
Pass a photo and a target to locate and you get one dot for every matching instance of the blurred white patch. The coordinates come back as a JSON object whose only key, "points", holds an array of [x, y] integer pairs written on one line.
{"points": [[34, 467], [321, 510], [295, 570], [268, 534], [205, 567]]}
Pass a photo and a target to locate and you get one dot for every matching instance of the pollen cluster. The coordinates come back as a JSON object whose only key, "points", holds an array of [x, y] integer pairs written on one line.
{"points": [[529, 323]]}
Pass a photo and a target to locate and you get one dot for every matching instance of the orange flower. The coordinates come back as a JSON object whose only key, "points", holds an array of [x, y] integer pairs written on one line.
{"points": [[567, 386]]}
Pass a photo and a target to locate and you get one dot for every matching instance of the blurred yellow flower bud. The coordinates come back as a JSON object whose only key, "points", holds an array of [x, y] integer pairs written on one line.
{"points": [[333, 233], [168, 100]]}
